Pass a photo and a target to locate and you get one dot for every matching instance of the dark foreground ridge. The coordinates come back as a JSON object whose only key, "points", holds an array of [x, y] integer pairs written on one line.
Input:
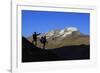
{"points": [[30, 53]]}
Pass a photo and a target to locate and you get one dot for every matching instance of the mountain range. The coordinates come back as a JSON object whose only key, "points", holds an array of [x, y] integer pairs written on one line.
{"points": [[63, 37]]}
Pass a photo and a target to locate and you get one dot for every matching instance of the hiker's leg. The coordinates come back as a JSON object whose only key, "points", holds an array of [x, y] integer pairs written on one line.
{"points": [[43, 46], [36, 43], [32, 41]]}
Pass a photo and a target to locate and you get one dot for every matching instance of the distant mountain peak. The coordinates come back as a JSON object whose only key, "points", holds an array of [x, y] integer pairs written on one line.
{"points": [[62, 32], [72, 29]]}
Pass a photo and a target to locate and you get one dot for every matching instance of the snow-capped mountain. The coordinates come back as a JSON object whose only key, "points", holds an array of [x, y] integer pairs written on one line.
{"points": [[63, 37], [62, 33]]}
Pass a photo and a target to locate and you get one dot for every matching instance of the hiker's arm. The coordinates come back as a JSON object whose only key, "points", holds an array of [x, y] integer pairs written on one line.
{"points": [[38, 33]]}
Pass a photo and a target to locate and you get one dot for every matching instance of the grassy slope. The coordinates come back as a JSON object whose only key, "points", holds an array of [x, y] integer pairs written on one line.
{"points": [[56, 43]]}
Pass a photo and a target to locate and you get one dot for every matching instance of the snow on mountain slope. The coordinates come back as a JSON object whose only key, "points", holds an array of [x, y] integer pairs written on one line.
{"points": [[66, 34], [62, 33], [71, 29]]}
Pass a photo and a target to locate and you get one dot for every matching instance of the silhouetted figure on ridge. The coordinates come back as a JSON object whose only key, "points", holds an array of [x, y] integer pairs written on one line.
{"points": [[43, 40], [35, 38]]}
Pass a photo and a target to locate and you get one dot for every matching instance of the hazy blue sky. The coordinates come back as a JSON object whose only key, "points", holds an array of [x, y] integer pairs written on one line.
{"points": [[44, 21]]}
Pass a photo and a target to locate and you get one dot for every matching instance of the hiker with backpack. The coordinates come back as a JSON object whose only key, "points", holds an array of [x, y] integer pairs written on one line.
{"points": [[43, 41]]}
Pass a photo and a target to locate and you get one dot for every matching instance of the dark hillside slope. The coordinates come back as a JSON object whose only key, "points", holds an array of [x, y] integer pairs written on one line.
{"points": [[30, 53], [73, 52]]}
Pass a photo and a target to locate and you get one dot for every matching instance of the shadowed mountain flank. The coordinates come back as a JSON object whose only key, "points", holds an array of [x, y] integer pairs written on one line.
{"points": [[73, 52], [31, 53]]}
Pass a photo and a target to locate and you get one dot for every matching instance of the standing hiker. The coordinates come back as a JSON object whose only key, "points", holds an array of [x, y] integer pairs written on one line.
{"points": [[35, 38], [43, 40]]}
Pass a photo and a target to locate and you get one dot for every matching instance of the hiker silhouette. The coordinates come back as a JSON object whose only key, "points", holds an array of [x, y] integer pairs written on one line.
{"points": [[35, 38], [43, 41]]}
